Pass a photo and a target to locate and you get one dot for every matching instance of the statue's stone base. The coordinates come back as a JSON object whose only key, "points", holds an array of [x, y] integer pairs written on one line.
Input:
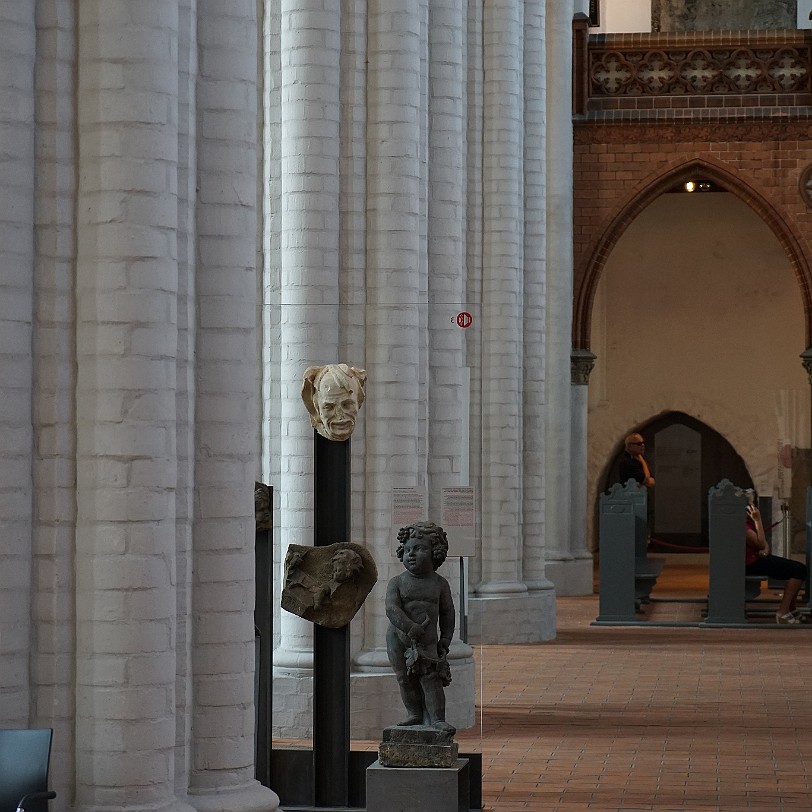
{"points": [[405, 789], [417, 746]]}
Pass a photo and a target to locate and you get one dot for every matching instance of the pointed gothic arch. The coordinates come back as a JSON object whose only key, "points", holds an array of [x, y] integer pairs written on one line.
{"points": [[720, 175], [688, 457]]}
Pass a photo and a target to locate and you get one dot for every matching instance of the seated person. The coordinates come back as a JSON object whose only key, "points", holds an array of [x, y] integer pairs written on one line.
{"points": [[759, 561]]}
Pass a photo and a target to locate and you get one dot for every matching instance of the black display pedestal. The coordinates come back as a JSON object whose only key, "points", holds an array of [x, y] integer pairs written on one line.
{"points": [[331, 647]]}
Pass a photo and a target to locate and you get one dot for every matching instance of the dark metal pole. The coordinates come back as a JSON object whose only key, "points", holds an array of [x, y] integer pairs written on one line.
{"points": [[263, 623], [331, 647]]}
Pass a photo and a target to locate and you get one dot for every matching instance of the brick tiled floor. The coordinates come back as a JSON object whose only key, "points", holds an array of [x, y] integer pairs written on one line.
{"points": [[646, 718], [659, 718]]}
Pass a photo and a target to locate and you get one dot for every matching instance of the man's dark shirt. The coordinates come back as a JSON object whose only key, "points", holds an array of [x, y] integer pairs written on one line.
{"points": [[631, 468]]}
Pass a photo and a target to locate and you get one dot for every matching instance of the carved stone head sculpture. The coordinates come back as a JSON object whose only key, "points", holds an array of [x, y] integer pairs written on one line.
{"points": [[262, 506], [333, 394]]}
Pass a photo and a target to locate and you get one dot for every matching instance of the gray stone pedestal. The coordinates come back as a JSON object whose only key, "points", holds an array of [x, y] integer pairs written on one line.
{"points": [[417, 746], [418, 789]]}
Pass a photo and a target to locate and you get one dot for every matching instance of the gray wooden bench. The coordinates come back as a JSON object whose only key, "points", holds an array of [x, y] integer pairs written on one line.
{"points": [[728, 595], [646, 572], [752, 586], [627, 573], [646, 568]]}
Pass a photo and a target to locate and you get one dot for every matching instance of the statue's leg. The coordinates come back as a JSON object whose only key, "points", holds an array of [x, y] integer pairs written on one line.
{"points": [[435, 702], [410, 693], [412, 698]]}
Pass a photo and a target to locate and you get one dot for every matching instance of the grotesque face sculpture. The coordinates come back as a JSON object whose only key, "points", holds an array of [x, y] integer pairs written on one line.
{"points": [[333, 395]]}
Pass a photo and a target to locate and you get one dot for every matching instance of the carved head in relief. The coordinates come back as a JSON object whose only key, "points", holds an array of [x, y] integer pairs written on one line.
{"points": [[333, 394]]}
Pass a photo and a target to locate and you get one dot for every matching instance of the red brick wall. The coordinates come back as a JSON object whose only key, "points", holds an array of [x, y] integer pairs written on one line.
{"points": [[626, 156]]}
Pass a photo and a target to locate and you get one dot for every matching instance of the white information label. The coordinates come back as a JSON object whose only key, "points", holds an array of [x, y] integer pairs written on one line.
{"points": [[408, 507], [459, 520]]}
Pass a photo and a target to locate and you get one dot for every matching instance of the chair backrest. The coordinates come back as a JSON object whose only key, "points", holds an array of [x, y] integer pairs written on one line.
{"points": [[25, 756]]}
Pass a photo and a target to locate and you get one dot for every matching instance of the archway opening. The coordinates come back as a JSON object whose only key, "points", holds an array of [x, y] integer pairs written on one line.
{"points": [[687, 458], [698, 312]]}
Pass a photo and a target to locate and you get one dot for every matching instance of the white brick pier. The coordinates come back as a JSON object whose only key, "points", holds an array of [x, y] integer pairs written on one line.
{"points": [[199, 200]]}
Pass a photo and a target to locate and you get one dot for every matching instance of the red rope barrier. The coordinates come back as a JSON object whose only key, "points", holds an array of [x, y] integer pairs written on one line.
{"points": [[689, 549], [678, 546]]}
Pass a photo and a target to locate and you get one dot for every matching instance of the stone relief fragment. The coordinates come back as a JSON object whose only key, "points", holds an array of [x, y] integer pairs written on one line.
{"points": [[262, 506], [328, 585]]}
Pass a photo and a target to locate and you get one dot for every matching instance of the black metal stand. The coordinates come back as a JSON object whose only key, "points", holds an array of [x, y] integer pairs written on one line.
{"points": [[331, 778], [331, 647], [263, 628]]}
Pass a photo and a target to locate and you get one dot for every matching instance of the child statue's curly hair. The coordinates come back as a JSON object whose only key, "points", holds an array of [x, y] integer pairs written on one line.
{"points": [[433, 532]]}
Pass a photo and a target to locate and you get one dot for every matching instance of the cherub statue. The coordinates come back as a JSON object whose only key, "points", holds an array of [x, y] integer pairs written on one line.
{"points": [[417, 602], [333, 394]]}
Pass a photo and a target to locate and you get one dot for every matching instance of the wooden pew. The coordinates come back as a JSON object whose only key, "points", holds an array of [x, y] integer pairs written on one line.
{"points": [[727, 593], [627, 573]]}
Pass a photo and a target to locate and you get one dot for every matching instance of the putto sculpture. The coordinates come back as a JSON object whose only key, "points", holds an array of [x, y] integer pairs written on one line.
{"points": [[421, 616], [333, 394]]}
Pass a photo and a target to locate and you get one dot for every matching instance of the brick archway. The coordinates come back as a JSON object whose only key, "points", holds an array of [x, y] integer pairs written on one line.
{"points": [[589, 274]]}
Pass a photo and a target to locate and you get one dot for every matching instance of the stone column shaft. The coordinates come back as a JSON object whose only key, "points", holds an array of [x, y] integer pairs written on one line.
{"points": [[393, 290], [502, 344], [16, 364], [582, 363], [185, 386], [446, 247], [54, 408], [534, 310], [310, 44], [568, 567], [222, 768], [126, 343]]}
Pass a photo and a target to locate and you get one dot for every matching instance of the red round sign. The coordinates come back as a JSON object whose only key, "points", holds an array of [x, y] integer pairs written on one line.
{"points": [[464, 319]]}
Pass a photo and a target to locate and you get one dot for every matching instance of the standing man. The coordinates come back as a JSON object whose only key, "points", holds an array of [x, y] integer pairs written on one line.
{"points": [[632, 463]]}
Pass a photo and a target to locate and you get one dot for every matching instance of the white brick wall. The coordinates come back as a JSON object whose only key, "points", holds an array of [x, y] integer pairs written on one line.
{"points": [[534, 311], [137, 364], [126, 344], [16, 366], [503, 256], [563, 552], [227, 417]]}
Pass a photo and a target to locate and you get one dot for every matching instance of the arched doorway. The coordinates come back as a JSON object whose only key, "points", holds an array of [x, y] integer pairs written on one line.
{"points": [[688, 458]]}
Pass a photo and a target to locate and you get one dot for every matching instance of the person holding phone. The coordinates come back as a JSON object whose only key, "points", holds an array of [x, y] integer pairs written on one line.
{"points": [[758, 560]]}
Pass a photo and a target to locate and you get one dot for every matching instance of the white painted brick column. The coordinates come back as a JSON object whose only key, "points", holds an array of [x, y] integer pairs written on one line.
{"points": [[54, 412], [126, 344], [503, 609], [352, 231], [502, 284], [268, 339], [310, 69], [310, 41], [446, 247], [17, 34], [222, 770], [569, 565], [185, 373], [473, 249], [392, 312], [535, 245], [448, 389]]}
